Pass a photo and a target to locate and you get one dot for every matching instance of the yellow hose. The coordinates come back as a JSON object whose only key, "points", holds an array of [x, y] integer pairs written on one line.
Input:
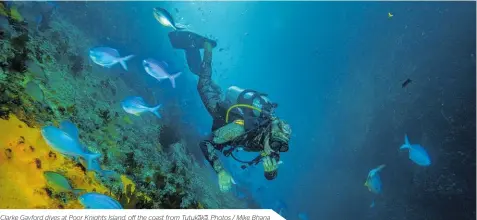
{"points": [[237, 106]]}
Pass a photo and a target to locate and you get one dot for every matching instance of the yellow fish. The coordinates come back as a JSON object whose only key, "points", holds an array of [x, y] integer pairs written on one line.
{"points": [[390, 15]]}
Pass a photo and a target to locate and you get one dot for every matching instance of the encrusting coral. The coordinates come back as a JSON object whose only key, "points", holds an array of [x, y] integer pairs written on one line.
{"points": [[24, 156]]}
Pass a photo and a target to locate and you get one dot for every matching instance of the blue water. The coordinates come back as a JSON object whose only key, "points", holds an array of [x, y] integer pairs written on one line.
{"points": [[335, 69]]}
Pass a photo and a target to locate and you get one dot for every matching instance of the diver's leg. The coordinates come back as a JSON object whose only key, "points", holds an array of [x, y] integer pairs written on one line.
{"points": [[209, 91], [191, 43]]}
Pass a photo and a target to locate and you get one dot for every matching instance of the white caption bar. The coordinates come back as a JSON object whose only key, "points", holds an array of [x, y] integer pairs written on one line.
{"points": [[142, 214]]}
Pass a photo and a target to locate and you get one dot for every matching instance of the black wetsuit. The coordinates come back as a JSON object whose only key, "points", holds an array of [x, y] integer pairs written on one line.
{"points": [[210, 94]]}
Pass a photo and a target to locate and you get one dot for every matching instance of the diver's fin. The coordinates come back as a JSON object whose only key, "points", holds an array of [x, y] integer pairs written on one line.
{"points": [[123, 60], [173, 77], [155, 111], [189, 40], [89, 159], [194, 60]]}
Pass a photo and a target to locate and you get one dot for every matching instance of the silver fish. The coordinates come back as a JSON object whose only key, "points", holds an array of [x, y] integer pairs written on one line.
{"points": [[66, 144], [136, 105], [108, 57], [157, 70]]}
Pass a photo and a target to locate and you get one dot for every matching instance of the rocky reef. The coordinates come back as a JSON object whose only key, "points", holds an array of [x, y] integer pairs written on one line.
{"points": [[45, 78]]}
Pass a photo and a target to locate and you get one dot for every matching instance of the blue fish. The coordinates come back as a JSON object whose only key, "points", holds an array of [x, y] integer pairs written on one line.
{"points": [[70, 128], [108, 57], [158, 70], [373, 182], [98, 201], [67, 144], [303, 216], [136, 105], [93, 165], [416, 153]]}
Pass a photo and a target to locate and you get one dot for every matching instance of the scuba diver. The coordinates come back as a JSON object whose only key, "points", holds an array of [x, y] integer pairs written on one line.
{"points": [[244, 120]]}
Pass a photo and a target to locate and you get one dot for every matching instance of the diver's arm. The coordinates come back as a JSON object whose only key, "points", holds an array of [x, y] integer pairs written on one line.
{"points": [[209, 92], [210, 154]]}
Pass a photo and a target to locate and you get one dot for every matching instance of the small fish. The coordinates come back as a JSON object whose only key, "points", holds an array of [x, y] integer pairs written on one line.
{"points": [[390, 15], [64, 143], [108, 57], [98, 201], [373, 182], [59, 183], [157, 70], [136, 105], [416, 153], [34, 91], [405, 83], [165, 18]]}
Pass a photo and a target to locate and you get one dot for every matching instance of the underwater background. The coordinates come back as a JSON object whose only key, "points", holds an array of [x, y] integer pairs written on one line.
{"points": [[336, 69]]}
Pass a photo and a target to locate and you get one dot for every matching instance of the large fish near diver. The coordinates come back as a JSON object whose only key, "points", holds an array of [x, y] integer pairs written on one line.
{"points": [[165, 18]]}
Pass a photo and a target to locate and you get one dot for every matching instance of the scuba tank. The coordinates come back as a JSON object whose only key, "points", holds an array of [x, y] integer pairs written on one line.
{"points": [[254, 107]]}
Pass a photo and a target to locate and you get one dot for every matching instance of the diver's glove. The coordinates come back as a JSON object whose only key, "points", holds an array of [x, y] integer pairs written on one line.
{"points": [[225, 181], [269, 164]]}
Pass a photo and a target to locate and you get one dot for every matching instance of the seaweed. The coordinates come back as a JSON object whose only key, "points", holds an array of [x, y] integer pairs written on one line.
{"points": [[132, 200], [104, 114], [130, 163]]}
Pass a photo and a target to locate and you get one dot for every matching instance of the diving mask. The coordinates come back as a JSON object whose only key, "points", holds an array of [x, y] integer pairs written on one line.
{"points": [[280, 135]]}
